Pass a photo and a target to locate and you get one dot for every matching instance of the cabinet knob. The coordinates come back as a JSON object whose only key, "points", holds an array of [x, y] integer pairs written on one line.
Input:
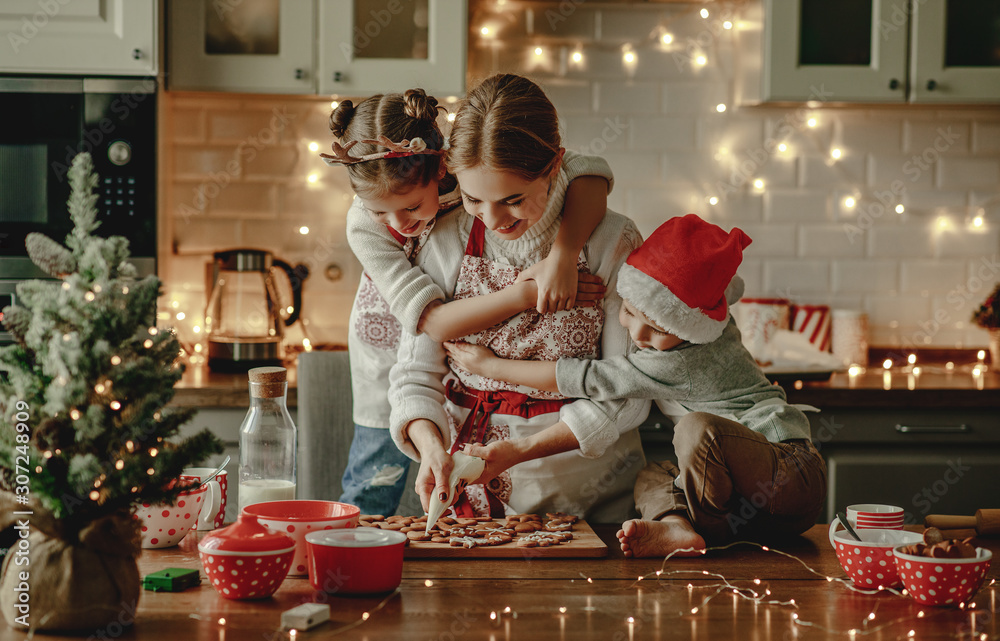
{"points": [[931, 85], [300, 74], [137, 54], [894, 84], [338, 76]]}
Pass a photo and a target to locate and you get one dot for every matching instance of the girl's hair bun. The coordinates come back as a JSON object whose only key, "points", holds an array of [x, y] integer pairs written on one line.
{"points": [[341, 117], [417, 104]]}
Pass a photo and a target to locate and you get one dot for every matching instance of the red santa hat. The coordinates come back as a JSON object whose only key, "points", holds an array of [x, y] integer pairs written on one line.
{"points": [[678, 277]]}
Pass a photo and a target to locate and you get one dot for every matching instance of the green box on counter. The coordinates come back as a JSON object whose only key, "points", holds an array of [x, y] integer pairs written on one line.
{"points": [[171, 580]]}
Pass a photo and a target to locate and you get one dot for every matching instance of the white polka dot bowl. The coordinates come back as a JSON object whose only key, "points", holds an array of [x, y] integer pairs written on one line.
{"points": [[164, 525], [298, 518], [943, 582], [869, 562], [246, 560]]}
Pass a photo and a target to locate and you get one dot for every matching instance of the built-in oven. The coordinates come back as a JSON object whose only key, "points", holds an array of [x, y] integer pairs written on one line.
{"points": [[46, 122]]}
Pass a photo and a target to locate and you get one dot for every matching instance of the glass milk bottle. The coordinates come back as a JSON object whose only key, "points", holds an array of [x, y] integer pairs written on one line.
{"points": [[267, 440]]}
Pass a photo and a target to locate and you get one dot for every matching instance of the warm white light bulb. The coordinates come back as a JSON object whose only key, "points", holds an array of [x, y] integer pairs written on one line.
{"points": [[911, 359], [701, 61], [758, 184], [977, 221], [539, 51], [451, 117], [849, 202], [811, 122], [836, 153], [334, 104], [181, 316], [713, 200], [313, 177], [900, 209], [727, 25], [303, 230], [666, 38], [485, 31], [314, 146], [887, 364], [577, 57], [704, 13], [782, 147], [720, 107], [629, 57]]}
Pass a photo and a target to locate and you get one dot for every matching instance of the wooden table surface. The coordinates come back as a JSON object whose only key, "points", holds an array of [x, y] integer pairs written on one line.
{"points": [[445, 600]]}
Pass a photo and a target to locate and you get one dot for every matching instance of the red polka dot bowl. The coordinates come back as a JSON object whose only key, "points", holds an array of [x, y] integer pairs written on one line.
{"points": [[246, 560], [165, 525], [298, 518], [356, 561], [943, 582], [870, 562]]}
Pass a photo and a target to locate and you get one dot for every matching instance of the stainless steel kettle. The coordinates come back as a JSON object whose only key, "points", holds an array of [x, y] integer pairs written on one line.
{"points": [[245, 319]]}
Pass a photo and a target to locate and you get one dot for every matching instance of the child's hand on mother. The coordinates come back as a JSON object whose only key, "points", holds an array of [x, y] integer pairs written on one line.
{"points": [[499, 456], [561, 286], [474, 358]]}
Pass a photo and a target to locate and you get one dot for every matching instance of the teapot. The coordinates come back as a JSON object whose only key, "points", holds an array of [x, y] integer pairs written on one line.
{"points": [[245, 319]]}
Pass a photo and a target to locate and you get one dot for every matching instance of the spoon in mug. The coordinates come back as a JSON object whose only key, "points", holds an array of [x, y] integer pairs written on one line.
{"points": [[216, 472], [847, 526]]}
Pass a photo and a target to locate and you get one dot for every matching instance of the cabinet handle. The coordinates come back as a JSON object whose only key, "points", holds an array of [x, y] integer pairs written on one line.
{"points": [[137, 54], [299, 74], [933, 429], [894, 84], [931, 85], [337, 76]]}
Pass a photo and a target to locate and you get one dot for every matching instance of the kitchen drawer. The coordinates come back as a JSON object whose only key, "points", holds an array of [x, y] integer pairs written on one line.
{"points": [[903, 427], [939, 480]]}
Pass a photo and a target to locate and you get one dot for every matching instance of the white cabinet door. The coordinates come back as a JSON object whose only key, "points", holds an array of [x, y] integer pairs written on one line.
{"points": [[101, 37], [373, 46], [849, 50], [252, 46], [956, 51]]}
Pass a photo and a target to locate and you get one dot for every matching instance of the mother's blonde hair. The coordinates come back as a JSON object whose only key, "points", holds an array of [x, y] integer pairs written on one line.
{"points": [[507, 124]]}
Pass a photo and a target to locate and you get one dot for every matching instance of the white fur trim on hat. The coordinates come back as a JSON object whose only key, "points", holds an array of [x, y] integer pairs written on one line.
{"points": [[661, 306]]}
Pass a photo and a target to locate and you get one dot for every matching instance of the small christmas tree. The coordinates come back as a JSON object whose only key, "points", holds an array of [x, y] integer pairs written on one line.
{"points": [[92, 375]]}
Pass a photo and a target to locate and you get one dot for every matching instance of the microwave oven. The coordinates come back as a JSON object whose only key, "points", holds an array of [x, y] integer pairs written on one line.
{"points": [[47, 121]]}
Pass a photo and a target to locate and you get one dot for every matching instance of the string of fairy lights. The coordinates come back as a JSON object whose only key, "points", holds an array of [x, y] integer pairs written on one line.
{"points": [[756, 593]]}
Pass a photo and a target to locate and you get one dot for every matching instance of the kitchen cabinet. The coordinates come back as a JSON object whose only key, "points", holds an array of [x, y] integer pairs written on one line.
{"points": [[112, 37], [935, 51], [343, 47]]}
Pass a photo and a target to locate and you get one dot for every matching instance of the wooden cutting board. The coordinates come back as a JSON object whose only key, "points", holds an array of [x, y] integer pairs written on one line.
{"points": [[585, 544]]}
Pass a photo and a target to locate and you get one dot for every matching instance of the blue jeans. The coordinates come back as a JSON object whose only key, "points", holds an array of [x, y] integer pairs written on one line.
{"points": [[376, 472]]}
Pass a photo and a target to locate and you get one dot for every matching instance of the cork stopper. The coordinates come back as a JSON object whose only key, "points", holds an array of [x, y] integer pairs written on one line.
{"points": [[268, 382]]}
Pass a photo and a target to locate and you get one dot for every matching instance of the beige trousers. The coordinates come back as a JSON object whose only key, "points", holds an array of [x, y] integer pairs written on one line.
{"points": [[734, 484]]}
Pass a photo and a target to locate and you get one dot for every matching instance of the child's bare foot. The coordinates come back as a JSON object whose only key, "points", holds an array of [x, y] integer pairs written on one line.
{"points": [[659, 538]]}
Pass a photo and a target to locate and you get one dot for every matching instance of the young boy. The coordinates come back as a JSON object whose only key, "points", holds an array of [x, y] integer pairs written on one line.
{"points": [[746, 467]]}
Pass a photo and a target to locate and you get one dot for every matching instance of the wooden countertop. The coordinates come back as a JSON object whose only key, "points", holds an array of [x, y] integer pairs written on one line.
{"points": [[524, 599], [934, 387]]}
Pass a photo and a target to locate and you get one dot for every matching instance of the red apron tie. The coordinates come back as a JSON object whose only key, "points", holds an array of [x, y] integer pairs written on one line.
{"points": [[483, 405]]}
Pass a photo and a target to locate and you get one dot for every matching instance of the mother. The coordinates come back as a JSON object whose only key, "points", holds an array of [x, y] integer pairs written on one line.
{"points": [[544, 452]]}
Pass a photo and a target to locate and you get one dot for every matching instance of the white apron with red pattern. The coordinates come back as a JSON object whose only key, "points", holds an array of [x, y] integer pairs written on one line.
{"points": [[373, 340], [483, 410]]}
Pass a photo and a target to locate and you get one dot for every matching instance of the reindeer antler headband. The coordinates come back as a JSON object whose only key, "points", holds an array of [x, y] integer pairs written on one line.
{"points": [[401, 149]]}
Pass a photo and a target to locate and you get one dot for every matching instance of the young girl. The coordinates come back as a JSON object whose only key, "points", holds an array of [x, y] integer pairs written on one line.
{"points": [[746, 466], [393, 151], [505, 151]]}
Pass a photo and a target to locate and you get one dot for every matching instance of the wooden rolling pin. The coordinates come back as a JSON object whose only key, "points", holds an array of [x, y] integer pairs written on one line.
{"points": [[986, 522]]}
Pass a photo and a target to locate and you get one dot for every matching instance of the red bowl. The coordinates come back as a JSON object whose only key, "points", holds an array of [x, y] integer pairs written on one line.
{"points": [[869, 562], [356, 561], [246, 575], [298, 518], [945, 582]]}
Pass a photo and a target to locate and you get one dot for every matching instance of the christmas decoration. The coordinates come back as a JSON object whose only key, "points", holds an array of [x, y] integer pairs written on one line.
{"points": [[85, 435]]}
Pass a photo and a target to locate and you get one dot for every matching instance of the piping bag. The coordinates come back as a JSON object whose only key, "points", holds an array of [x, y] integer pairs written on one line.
{"points": [[467, 468]]}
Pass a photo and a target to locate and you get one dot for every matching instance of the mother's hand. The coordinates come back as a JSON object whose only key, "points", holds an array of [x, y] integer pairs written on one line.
{"points": [[435, 462], [499, 456]]}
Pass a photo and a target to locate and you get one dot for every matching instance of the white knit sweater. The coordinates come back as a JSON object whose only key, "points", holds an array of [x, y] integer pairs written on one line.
{"points": [[416, 386]]}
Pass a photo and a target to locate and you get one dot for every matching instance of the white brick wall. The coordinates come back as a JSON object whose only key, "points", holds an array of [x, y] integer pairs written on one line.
{"points": [[896, 266], [237, 174]]}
